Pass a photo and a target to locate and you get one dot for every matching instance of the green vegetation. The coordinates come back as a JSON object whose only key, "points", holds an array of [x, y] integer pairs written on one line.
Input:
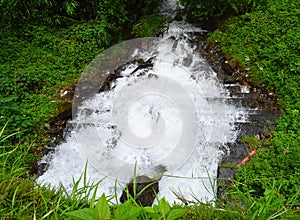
{"points": [[46, 44], [202, 10], [266, 42], [150, 25], [126, 211]]}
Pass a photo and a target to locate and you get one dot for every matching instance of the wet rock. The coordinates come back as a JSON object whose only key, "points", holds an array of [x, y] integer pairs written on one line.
{"points": [[58, 123], [152, 76], [178, 17], [225, 177], [229, 80], [234, 89], [146, 190], [144, 65], [179, 14], [110, 78], [160, 169], [209, 24], [227, 68], [244, 93], [187, 61], [107, 84]]}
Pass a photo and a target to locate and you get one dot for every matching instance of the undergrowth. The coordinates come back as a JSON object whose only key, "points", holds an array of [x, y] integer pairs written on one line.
{"points": [[266, 43]]}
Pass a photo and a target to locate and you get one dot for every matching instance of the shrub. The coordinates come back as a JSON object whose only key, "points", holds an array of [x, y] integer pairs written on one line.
{"points": [[201, 10]]}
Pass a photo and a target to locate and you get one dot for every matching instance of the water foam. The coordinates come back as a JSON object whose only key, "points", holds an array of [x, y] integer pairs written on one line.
{"points": [[193, 177]]}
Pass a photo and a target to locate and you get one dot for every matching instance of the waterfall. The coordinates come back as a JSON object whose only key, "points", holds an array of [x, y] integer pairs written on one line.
{"points": [[165, 115]]}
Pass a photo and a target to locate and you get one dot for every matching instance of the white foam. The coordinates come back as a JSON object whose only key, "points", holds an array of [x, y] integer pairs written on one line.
{"points": [[178, 61]]}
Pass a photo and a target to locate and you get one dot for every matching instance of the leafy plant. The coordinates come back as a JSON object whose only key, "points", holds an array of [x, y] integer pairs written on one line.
{"points": [[8, 103], [269, 38], [165, 211], [100, 211], [253, 142], [126, 211], [202, 10], [150, 26]]}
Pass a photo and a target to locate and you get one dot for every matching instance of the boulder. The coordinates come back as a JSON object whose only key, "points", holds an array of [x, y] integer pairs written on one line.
{"points": [[146, 190]]}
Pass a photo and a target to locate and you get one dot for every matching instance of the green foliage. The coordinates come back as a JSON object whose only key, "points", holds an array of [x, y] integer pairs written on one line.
{"points": [[252, 142], [45, 45], [37, 66], [270, 205], [201, 10], [101, 211], [166, 211], [279, 161], [21, 198], [130, 209], [8, 104], [38, 61], [17, 13], [270, 38], [150, 26], [126, 211]]}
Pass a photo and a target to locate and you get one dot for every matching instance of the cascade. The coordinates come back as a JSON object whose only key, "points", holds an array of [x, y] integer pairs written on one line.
{"points": [[151, 106]]}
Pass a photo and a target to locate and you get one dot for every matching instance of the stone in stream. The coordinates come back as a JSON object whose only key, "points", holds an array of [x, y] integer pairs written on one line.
{"points": [[227, 68], [110, 78], [146, 189], [178, 17], [230, 80], [106, 86]]}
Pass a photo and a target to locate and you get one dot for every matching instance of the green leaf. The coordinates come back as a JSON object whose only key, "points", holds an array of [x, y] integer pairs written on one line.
{"points": [[164, 206], [175, 213], [156, 208], [102, 209], [127, 211], [152, 212], [83, 214], [148, 209]]}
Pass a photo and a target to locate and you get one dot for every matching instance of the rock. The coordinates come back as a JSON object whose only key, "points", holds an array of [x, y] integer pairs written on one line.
{"points": [[106, 86], [229, 80], [147, 197], [178, 17], [234, 89], [58, 123], [225, 177], [144, 65], [227, 68], [209, 24], [233, 64], [179, 14], [152, 76], [262, 108]]}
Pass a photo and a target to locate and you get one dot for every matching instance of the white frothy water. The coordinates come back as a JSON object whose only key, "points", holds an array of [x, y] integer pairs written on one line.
{"points": [[190, 177]]}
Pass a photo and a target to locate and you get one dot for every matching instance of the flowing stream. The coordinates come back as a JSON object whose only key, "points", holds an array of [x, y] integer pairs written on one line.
{"points": [[166, 115]]}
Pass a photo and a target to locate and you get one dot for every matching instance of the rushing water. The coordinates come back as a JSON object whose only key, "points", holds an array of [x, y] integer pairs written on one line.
{"points": [[170, 121]]}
